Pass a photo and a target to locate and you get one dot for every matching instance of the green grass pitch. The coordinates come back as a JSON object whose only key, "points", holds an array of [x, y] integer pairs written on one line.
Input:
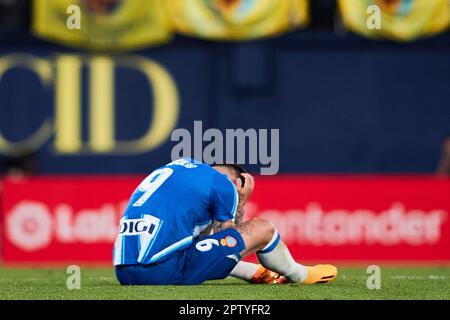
{"points": [[100, 283]]}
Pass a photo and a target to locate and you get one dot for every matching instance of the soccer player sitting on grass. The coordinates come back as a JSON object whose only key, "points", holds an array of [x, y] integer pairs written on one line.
{"points": [[164, 235]]}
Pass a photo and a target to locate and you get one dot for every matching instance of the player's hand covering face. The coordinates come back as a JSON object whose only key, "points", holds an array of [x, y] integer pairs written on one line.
{"points": [[245, 191]]}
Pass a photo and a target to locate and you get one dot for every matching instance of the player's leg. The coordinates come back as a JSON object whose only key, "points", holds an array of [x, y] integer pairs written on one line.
{"points": [[165, 272], [244, 270], [212, 257], [256, 273], [260, 236]]}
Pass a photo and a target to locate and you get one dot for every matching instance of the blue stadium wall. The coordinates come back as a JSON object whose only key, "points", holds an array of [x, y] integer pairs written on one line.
{"points": [[342, 104]]}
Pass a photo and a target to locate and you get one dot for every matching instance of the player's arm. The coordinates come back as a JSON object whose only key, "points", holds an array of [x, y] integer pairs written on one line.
{"points": [[216, 226], [221, 225], [239, 216], [244, 193], [228, 199]]}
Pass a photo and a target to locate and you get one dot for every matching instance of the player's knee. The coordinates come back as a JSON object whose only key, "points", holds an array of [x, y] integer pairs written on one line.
{"points": [[265, 229]]}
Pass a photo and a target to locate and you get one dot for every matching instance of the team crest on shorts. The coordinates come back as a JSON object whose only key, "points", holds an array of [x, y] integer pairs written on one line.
{"points": [[228, 241]]}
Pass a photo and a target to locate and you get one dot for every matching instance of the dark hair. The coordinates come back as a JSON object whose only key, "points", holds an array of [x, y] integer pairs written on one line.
{"points": [[235, 168]]}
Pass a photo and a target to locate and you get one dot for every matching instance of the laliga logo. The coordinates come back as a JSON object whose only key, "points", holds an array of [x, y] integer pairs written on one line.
{"points": [[31, 226], [64, 74]]}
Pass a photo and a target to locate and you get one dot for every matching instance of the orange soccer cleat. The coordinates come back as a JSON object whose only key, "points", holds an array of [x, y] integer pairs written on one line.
{"points": [[266, 276], [320, 273]]}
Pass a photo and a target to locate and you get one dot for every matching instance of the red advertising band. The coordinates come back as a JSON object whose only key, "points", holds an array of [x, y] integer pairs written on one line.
{"points": [[335, 218]]}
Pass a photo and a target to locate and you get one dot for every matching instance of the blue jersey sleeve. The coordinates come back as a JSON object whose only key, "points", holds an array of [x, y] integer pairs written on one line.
{"points": [[224, 198]]}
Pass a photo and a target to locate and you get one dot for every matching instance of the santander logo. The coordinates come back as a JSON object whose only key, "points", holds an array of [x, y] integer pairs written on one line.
{"points": [[341, 227], [32, 226]]}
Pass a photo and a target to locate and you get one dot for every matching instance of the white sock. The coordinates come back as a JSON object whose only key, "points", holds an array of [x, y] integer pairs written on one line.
{"points": [[244, 270], [276, 257]]}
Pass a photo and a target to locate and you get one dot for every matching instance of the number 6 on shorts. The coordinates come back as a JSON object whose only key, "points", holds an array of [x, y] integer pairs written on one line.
{"points": [[206, 245]]}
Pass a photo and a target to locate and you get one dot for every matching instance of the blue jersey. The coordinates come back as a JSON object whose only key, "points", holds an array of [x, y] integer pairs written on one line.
{"points": [[169, 208]]}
